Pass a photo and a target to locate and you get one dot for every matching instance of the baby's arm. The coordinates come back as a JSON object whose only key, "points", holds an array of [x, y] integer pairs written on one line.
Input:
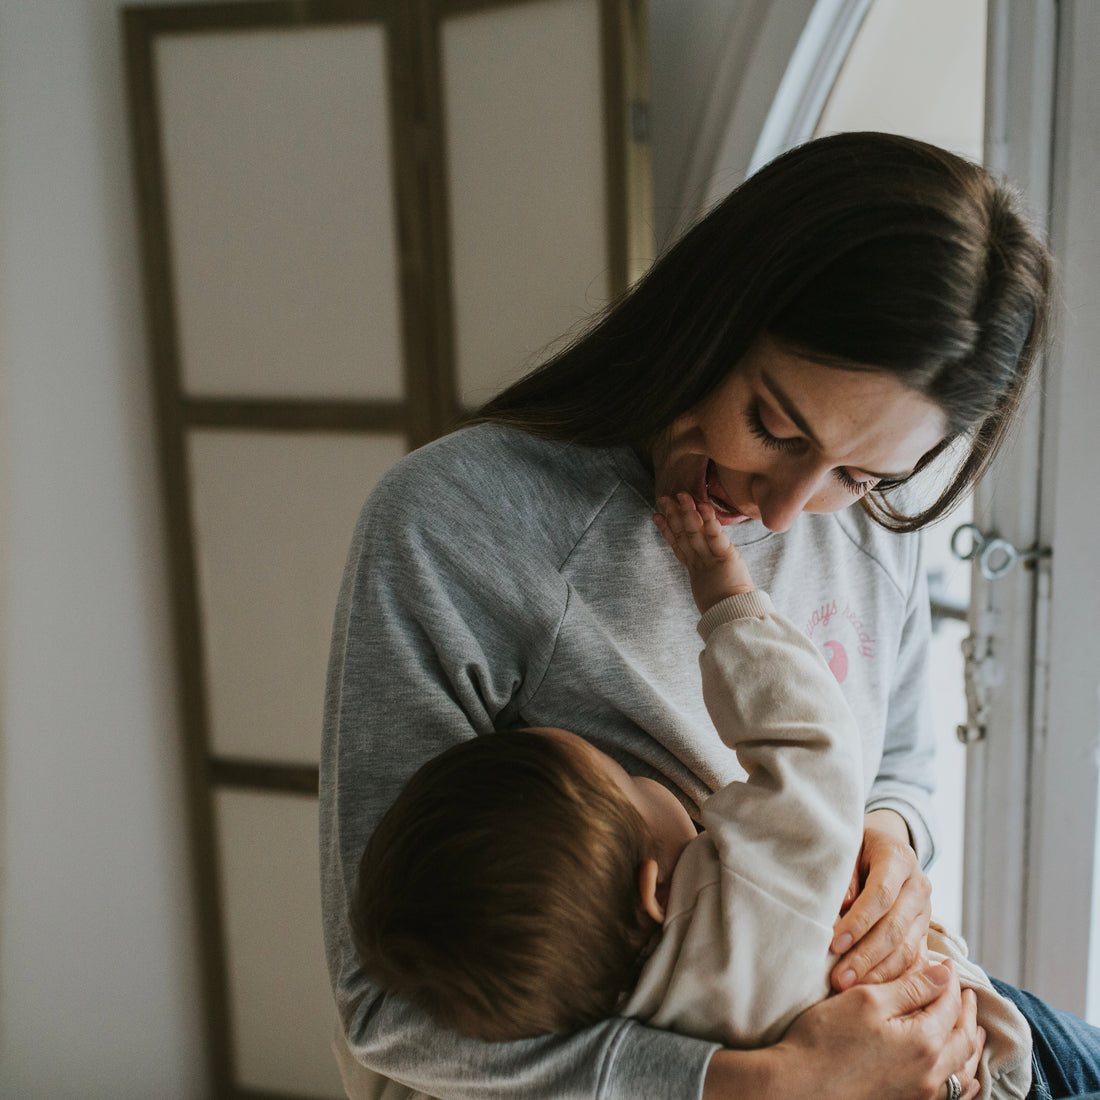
{"points": [[715, 566], [745, 946]]}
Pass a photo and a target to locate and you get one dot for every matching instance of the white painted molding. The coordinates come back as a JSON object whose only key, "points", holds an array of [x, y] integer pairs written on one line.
{"points": [[1019, 91], [1061, 958]]}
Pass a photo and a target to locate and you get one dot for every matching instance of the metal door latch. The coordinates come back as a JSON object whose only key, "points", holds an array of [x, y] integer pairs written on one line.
{"points": [[982, 671], [996, 556]]}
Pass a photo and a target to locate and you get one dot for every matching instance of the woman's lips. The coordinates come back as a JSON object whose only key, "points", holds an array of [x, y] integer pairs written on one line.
{"points": [[725, 510]]}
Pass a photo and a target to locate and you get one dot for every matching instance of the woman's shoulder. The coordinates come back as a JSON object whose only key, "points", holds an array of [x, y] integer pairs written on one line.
{"points": [[480, 449], [896, 553], [486, 460], [487, 479]]}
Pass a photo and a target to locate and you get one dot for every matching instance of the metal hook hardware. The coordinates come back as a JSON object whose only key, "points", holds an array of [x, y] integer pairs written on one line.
{"points": [[996, 556]]}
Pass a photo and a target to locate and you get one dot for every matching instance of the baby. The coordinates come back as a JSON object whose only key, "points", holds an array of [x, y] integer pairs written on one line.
{"points": [[524, 883]]}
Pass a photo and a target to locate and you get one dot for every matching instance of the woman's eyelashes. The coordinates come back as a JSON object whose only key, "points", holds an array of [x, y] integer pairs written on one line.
{"points": [[790, 443], [856, 488], [793, 444]]}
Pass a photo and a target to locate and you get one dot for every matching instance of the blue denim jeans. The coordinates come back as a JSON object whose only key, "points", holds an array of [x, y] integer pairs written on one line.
{"points": [[1066, 1050]]}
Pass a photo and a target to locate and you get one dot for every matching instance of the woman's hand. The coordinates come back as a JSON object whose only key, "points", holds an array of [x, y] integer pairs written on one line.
{"points": [[899, 1040], [882, 933], [902, 1039]]}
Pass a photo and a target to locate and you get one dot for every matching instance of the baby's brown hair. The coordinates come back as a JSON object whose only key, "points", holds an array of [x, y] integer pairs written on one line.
{"points": [[500, 891]]}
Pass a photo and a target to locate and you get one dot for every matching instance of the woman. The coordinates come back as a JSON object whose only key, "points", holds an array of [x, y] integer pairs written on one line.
{"points": [[860, 308]]}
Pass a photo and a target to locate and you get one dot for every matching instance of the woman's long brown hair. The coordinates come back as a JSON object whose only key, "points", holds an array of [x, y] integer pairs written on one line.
{"points": [[860, 250]]}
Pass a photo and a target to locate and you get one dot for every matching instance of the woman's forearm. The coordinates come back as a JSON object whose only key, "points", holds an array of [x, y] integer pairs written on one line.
{"points": [[740, 1073]]}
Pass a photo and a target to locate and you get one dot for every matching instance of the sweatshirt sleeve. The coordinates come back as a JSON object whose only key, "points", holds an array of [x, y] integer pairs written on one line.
{"points": [[906, 776], [430, 648], [745, 947]]}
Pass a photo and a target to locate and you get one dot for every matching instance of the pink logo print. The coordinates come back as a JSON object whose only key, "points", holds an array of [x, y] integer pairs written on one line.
{"points": [[838, 660]]}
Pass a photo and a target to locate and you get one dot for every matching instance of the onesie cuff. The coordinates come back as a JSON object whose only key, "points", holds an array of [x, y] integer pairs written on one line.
{"points": [[920, 835], [744, 605]]}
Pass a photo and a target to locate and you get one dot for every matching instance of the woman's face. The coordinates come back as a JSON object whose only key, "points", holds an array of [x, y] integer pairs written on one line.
{"points": [[784, 435]]}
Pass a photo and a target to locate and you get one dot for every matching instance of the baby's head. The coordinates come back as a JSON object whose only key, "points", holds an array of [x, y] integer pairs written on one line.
{"points": [[511, 887]]}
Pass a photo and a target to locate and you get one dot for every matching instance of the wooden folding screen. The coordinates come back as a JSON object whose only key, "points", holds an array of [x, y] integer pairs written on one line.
{"points": [[358, 218]]}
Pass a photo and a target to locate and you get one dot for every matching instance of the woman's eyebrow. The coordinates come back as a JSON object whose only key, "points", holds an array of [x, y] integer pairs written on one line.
{"points": [[784, 401], [789, 407]]}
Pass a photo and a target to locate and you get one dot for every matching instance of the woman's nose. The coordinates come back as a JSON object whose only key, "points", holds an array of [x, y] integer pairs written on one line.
{"points": [[781, 499]]}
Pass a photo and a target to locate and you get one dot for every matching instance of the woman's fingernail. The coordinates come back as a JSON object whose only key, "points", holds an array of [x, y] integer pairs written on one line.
{"points": [[847, 978], [842, 943]]}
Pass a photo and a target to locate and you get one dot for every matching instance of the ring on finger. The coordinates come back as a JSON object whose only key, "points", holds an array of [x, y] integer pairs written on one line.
{"points": [[954, 1089]]}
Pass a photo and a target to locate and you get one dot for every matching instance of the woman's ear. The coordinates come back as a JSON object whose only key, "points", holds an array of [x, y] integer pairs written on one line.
{"points": [[649, 890]]}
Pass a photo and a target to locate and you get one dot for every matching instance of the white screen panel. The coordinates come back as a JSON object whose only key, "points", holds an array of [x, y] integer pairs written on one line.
{"points": [[526, 175], [281, 210], [273, 515], [282, 1011]]}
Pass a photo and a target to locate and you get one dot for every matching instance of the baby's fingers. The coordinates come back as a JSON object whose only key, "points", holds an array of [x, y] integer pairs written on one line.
{"points": [[680, 515], [670, 536], [717, 541], [675, 522], [694, 531], [708, 540]]}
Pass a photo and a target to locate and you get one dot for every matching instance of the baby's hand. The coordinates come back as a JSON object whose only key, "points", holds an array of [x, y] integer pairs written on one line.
{"points": [[715, 566]]}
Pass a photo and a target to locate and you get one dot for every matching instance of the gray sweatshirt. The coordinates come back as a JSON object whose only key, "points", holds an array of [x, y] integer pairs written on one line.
{"points": [[496, 579]]}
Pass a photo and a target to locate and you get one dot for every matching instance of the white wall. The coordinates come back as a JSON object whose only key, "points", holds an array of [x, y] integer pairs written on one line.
{"points": [[688, 41], [98, 987], [916, 69], [715, 66]]}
